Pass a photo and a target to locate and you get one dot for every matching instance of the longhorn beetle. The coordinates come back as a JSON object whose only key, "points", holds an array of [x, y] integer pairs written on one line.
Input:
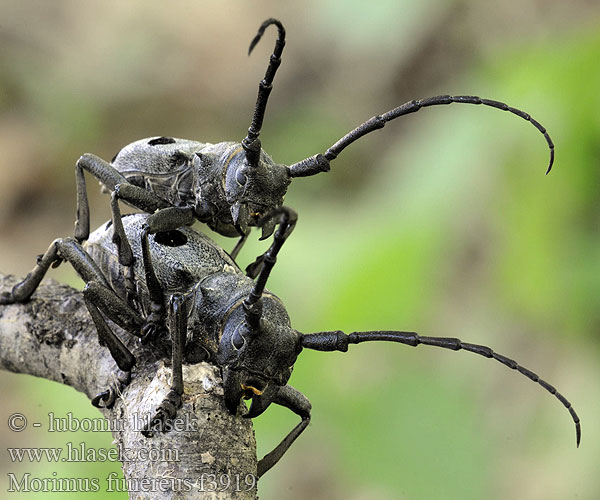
{"points": [[216, 313], [229, 185]]}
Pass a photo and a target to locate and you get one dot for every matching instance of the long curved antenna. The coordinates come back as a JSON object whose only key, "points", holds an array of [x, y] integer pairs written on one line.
{"points": [[320, 162], [251, 142], [338, 341], [252, 305]]}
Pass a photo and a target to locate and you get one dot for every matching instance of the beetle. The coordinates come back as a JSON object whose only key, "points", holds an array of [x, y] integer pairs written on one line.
{"points": [[228, 185], [215, 313]]}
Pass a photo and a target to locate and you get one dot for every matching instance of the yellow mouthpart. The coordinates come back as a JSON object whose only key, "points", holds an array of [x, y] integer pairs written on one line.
{"points": [[249, 391]]}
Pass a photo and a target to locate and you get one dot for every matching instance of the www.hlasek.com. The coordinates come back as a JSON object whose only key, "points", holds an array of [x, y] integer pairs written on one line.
{"points": [[83, 453], [113, 482]]}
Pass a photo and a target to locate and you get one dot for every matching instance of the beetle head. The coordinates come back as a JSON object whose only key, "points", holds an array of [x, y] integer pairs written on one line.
{"points": [[253, 191], [258, 183], [258, 360]]}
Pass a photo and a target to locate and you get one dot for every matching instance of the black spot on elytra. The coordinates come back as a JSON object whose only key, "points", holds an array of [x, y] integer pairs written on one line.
{"points": [[161, 140], [171, 238]]}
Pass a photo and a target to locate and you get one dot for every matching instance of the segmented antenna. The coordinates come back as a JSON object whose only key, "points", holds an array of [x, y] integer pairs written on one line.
{"points": [[253, 305], [338, 341], [251, 142], [320, 162]]}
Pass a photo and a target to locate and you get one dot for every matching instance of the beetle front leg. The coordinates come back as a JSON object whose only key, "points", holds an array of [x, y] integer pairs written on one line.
{"points": [[113, 180], [238, 246], [297, 402], [162, 221], [164, 218], [154, 324], [172, 402], [124, 251]]}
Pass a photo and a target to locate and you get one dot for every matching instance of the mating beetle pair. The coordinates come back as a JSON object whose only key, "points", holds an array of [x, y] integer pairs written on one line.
{"points": [[164, 269]]}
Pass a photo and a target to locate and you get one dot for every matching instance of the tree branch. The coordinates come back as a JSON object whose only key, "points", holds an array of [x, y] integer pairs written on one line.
{"points": [[209, 454]]}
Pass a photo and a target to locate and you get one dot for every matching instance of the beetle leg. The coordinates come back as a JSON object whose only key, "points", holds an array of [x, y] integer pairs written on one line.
{"points": [[238, 246], [296, 401], [169, 219], [146, 201], [97, 291], [124, 251], [122, 356], [114, 306], [110, 178], [154, 324], [172, 402], [67, 248], [109, 396], [162, 221], [138, 197], [23, 290], [121, 189], [106, 174], [97, 287]]}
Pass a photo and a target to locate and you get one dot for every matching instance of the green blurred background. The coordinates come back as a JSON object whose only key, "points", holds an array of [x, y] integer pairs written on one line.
{"points": [[442, 223]]}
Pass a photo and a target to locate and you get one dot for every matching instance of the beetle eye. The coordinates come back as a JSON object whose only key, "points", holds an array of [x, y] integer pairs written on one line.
{"points": [[241, 177], [238, 339]]}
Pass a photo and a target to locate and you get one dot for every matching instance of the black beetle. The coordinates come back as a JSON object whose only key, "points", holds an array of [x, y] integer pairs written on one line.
{"points": [[229, 185], [216, 313]]}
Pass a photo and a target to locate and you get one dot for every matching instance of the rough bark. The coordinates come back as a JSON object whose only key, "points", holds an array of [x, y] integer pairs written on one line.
{"points": [[53, 337]]}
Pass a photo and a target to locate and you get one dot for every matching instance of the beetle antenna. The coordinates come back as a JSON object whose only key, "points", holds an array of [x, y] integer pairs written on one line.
{"points": [[251, 142], [338, 341], [320, 162], [252, 304]]}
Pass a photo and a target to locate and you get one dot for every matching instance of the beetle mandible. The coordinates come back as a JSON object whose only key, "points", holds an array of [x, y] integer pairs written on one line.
{"points": [[229, 185], [216, 313]]}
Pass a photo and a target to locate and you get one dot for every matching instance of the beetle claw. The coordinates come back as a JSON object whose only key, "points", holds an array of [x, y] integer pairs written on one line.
{"points": [[268, 228]]}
